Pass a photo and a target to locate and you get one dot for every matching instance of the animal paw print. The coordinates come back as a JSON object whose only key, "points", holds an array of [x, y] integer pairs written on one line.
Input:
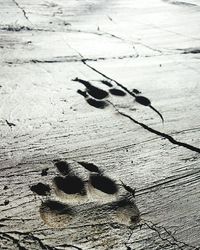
{"points": [[75, 195], [96, 97]]}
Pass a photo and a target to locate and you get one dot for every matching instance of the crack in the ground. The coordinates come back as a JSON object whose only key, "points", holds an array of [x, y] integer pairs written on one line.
{"points": [[161, 134], [72, 246], [151, 225], [14, 219], [18, 28], [181, 3], [71, 59], [195, 50], [15, 241], [107, 34], [27, 235], [146, 190], [65, 59], [111, 224], [133, 43], [23, 11], [155, 229], [171, 240]]}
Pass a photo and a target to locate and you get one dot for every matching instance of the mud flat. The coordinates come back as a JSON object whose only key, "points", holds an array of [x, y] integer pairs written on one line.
{"points": [[99, 124]]}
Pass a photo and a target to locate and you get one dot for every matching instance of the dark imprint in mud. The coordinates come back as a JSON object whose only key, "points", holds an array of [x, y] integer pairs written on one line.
{"points": [[93, 102], [103, 183], [40, 189], [62, 166], [70, 185]]}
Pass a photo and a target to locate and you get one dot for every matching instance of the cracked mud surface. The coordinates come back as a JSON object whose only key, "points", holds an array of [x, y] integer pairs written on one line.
{"points": [[99, 118]]}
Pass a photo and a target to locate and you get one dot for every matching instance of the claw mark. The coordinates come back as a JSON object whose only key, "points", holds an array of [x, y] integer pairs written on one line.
{"points": [[92, 102], [92, 90]]}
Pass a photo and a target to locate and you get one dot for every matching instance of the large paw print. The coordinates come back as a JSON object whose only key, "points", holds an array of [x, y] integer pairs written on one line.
{"points": [[74, 195]]}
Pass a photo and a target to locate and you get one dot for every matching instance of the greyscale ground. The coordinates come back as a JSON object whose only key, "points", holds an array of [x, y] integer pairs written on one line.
{"points": [[99, 124]]}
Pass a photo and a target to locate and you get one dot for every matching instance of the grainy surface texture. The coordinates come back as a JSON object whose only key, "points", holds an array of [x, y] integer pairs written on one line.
{"points": [[49, 132]]}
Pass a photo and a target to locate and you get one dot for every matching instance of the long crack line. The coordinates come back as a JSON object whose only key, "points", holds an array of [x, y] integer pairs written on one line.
{"points": [[23, 11], [145, 190], [161, 134]]}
